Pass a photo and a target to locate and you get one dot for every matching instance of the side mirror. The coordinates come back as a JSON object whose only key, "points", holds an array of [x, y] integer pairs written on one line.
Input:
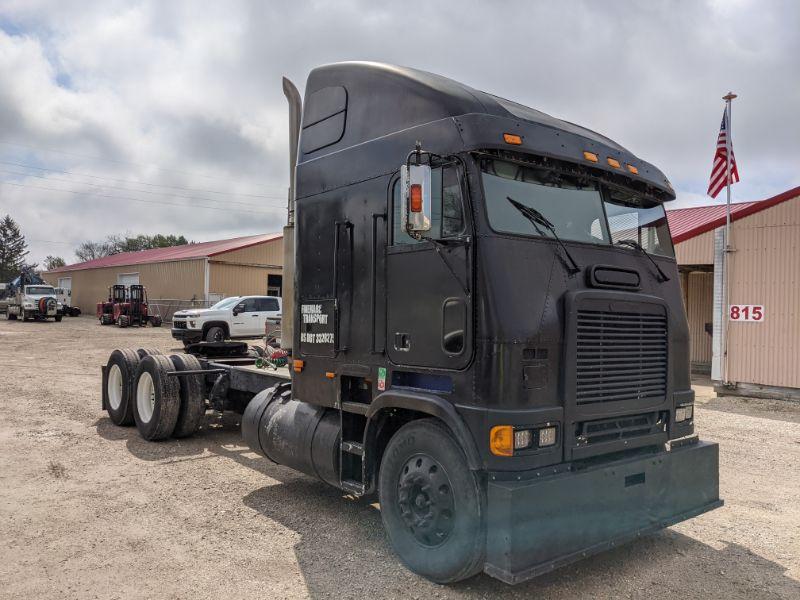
{"points": [[415, 183], [239, 308]]}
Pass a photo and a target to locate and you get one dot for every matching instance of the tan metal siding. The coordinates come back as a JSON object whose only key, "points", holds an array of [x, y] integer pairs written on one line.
{"points": [[698, 250], [175, 279], [266, 254], [238, 280], [765, 269], [699, 311]]}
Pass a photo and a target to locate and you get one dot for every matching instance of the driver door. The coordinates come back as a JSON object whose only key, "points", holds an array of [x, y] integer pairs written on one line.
{"points": [[244, 314], [429, 310]]}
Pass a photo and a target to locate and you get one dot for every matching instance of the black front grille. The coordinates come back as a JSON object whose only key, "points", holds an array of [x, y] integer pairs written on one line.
{"points": [[620, 356], [620, 428]]}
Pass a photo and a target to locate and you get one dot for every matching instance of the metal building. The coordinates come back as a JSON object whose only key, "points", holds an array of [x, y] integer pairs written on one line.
{"points": [[763, 318], [179, 276]]}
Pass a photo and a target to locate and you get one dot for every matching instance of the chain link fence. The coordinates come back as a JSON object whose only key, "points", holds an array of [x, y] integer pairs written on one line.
{"points": [[166, 307]]}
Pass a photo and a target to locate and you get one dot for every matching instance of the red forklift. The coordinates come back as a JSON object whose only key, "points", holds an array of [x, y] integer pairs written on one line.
{"points": [[106, 313], [127, 307]]}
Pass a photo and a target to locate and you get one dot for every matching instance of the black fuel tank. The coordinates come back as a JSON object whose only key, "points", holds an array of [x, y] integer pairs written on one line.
{"points": [[296, 434]]}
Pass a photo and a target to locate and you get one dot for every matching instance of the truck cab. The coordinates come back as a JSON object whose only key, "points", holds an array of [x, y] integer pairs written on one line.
{"points": [[477, 270], [485, 325], [34, 302]]}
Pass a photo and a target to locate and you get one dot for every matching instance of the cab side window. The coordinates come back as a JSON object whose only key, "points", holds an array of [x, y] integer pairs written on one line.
{"points": [[251, 305], [447, 210]]}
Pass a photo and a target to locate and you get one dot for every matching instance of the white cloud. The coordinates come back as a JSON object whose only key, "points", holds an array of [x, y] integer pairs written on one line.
{"points": [[187, 94]]}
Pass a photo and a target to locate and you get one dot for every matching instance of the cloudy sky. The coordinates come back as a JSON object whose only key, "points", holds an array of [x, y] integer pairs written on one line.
{"points": [[168, 117]]}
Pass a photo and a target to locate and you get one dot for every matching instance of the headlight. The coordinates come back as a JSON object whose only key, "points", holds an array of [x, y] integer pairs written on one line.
{"points": [[505, 440], [547, 436], [684, 413]]}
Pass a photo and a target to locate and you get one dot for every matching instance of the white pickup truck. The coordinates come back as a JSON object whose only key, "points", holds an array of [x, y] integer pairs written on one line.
{"points": [[234, 318], [34, 302]]}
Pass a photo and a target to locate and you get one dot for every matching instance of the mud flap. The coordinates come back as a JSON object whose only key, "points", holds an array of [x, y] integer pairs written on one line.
{"points": [[538, 525]]}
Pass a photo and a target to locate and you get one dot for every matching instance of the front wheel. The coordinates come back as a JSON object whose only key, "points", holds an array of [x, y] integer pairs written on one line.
{"points": [[215, 334], [432, 505], [58, 318]]}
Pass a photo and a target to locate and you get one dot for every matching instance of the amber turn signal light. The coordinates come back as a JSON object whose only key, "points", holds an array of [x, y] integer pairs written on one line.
{"points": [[415, 204], [590, 156], [633, 169], [613, 162], [510, 138], [298, 365], [501, 440]]}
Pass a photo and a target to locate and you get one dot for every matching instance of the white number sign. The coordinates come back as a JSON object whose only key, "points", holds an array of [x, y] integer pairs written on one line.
{"points": [[747, 312]]}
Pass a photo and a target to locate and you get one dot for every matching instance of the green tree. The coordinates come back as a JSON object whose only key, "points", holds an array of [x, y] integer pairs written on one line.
{"points": [[115, 244], [13, 249], [53, 262]]}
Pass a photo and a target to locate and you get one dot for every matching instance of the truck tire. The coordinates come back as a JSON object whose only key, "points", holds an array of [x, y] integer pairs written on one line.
{"points": [[58, 318], [193, 406], [142, 352], [106, 319], [156, 321], [121, 369], [123, 321], [432, 506], [157, 398], [215, 334], [10, 317]]}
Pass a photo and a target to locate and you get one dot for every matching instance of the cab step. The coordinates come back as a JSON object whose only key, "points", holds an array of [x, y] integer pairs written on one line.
{"points": [[354, 487], [353, 448]]}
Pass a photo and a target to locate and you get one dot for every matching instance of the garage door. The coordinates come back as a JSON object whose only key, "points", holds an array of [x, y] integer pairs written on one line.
{"points": [[128, 278]]}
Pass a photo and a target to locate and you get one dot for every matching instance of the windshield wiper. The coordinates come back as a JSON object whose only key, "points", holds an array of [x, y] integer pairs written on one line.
{"points": [[638, 246], [536, 218]]}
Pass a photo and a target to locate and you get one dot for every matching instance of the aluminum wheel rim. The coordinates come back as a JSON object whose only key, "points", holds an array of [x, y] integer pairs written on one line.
{"points": [[145, 397], [115, 387]]}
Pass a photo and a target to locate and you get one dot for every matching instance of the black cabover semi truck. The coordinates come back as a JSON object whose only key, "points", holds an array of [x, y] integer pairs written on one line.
{"points": [[486, 331]]}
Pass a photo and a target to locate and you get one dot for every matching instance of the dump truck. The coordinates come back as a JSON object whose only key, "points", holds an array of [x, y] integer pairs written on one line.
{"points": [[486, 331]]}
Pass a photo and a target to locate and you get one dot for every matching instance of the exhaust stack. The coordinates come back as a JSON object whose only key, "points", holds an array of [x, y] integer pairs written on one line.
{"points": [[287, 295]]}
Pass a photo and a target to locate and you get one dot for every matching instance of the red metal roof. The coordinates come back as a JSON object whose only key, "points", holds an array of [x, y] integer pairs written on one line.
{"points": [[686, 223], [185, 252]]}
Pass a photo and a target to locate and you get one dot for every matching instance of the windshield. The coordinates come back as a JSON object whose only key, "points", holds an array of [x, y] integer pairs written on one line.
{"points": [[628, 219], [39, 290], [576, 211], [581, 211], [226, 303]]}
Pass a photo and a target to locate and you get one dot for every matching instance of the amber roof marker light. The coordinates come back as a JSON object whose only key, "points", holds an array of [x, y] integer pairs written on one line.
{"points": [[633, 169], [512, 138], [590, 156], [613, 162]]}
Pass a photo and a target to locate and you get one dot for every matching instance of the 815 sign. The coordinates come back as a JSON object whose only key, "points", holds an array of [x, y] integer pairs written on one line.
{"points": [[747, 312]]}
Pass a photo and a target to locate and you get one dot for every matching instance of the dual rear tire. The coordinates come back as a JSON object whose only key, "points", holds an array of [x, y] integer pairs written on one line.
{"points": [[140, 390]]}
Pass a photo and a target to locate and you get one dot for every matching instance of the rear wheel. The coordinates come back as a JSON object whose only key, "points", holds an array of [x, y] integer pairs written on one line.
{"points": [[215, 334], [142, 352], [121, 371], [156, 321], [157, 398], [10, 317], [193, 407], [432, 505], [58, 318]]}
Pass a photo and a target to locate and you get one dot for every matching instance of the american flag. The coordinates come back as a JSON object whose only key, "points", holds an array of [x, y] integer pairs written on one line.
{"points": [[718, 180]]}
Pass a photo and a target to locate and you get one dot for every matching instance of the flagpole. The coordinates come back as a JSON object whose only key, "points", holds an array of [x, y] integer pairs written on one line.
{"points": [[728, 248]]}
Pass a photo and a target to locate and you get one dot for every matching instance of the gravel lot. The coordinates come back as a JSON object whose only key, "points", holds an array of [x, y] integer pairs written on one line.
{"points": [[89, 510]]}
